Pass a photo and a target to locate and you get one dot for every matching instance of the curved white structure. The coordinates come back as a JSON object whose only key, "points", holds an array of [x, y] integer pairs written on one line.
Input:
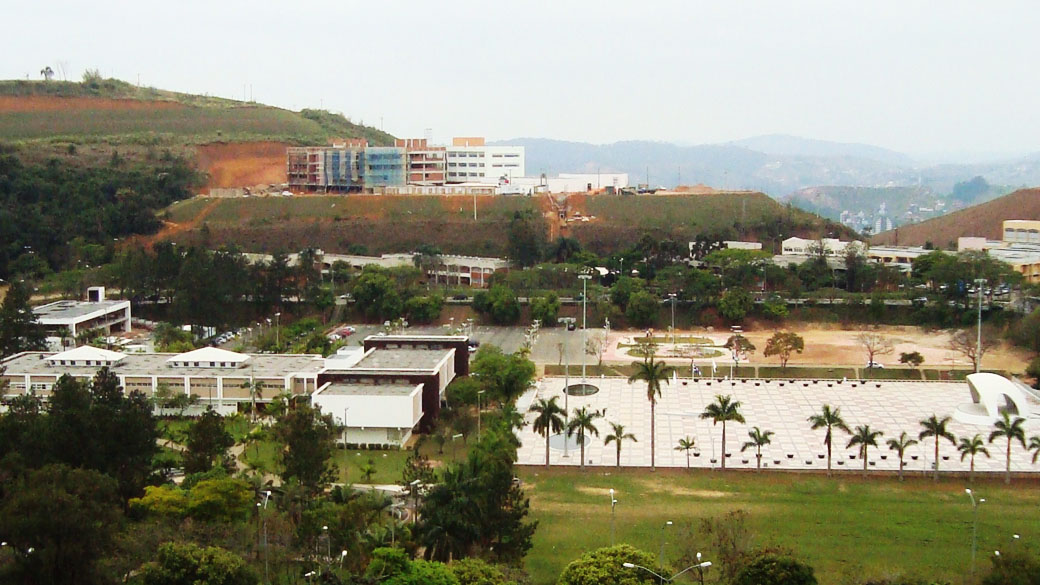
{"points": [[990, 396]]}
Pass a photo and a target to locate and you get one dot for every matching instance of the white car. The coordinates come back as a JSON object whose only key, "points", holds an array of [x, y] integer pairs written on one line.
{"points": [[875, 365]]}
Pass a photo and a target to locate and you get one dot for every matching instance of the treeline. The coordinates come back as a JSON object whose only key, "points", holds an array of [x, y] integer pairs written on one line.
{"points": [[59, 214]]}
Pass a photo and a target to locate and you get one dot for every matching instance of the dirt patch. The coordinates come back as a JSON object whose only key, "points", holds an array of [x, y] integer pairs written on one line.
{"points": [[661, 485], [48, 103], [242, 164]]}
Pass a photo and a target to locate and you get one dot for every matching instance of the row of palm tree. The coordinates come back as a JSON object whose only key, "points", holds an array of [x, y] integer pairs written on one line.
{"points": [[724, 409]]}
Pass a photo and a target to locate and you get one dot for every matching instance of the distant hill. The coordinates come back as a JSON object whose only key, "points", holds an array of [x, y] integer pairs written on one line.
{"points": [[786, 145], [980, 220]]}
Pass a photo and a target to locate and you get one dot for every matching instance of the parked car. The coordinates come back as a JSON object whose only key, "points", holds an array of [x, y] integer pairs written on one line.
{"points": [[875, 365]]}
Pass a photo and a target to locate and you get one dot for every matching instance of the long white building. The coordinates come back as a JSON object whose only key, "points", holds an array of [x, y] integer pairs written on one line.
{"points": [[469, 160]]}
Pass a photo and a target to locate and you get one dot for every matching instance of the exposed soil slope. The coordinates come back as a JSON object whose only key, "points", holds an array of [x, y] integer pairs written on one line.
{"points": [[242, 164]]}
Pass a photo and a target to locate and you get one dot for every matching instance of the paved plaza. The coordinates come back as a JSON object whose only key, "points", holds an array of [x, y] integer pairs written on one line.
{"points": [[779, 406]]}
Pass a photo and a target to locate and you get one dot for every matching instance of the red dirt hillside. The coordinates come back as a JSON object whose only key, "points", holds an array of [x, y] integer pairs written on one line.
{"points": [[985, 220], [242, 164]]}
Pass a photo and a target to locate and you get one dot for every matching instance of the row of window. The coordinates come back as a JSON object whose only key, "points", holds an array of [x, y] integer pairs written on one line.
{"points": [[506, 165], [453, 174], [476, 165]]}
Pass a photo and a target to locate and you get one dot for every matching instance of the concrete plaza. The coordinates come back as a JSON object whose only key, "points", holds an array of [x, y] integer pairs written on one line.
{"points": [[780, 406]]}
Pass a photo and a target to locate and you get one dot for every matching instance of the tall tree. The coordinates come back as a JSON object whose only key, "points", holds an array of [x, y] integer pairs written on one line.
{"points": [[256, 391], [548, 420], [900, 446], [830, 420], [864, 437], [653, 373], [686, 444], [191, 564], [207, 443], [19, 329], [616, 436], [875, 345], [309, 438], [782, 344], [971, 447], [583, 422], [759, 439], [936, 427], [1010, 429], [722, 410], [526, 236]]}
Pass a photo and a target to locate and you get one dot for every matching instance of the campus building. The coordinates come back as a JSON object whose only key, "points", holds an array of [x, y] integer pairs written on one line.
{"points": [[470, 160], [74, 317]]}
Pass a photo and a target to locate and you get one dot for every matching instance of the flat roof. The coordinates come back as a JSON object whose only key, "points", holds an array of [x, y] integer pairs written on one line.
{"points": [[75, 310], [427, 338], [155, 364], [346, 389], [402, 359]]}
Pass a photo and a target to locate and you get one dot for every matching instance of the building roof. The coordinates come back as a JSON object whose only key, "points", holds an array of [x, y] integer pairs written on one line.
{"points": [[397, 360], [87, 353], [157, 364], [209, 354], [62, 312], [347, 389]]}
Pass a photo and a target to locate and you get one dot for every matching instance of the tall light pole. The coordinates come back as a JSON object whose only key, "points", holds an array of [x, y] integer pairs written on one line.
{"points": [[660, 555], [566, 396], [328, 543], [454, 438], [974, 525], [278, 331], [479, 392], [263, 542], [978, 339], [613, 504], [584, 302], [672, 296], [415, 492]]}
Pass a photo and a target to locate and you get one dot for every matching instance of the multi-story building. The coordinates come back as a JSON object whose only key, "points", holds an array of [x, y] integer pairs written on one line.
{"points": [[72, 317], [384, 166], [425, 162], [470, 160], [336, 168]]}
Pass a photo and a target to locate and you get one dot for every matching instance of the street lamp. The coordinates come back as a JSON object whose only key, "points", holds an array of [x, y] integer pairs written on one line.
{"points": [[454, 438], [415, 492], [660, 555], [584, 302], [278, 331], [479, 392], [328, 543], [974, 524], [978, 339], [263, 542], [613, 504], [672, 296], [664, 579]]}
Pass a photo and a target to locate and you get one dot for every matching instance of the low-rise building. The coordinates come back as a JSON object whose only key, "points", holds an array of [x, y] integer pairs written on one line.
{"points": [[96, 313]]}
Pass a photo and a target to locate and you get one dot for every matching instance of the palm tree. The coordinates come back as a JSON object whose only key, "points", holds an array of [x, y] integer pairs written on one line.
{"points": [[256, 390], [865, 437], [686, 444], [723, 409], [759, 439], [973, 446], [548, 420], [829, 419], [653, 373], [583, 422], [936, 427], [900, 446], [1012, 430], [617, 436], [1034, 446]]}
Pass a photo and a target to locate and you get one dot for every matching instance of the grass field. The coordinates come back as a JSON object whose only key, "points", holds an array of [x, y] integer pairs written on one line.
{"points": [[848, 528]]}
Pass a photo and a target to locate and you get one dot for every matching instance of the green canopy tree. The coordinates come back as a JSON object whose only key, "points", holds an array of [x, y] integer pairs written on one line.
{"points": [[207, 443], [606, 566], [19, 329], [309, 438], [782, 344], [191, 564]]}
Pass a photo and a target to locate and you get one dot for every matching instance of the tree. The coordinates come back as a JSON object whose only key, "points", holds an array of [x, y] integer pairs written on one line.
{"points": [[256, 391], [499, 303], [309, 438], [616, 436], [642, 309], [686, 444], [606, 566], [581, 423], [505, 377], [771, 569], [914, 359], [526, 238], [47, 73], [965, 342], [377, 295], [971, 447], [19, 329], [548, 421], [221, 499], [67, 517], [168, 337], [546, 309], [653, 373], [1010, 429], [1034, 446], [759, 439], [478, 572], [864, 437], [208, 442], [722, 410], [900, 446], [424, 309], [190, 564], [740, 347], [623, 289], [830, 420], [1013, 567], [782, 344], [735, 304], [875, 345], [936, 427]]}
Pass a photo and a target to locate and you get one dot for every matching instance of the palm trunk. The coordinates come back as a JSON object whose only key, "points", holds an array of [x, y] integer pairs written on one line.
{"points": [[864, 454], [901, 462], [828, 453], [652, 435], [547, 435], [581, 439], [971, 470], [758, 456], [1007, 478], [723, 445], [687, 460], [619, 453], [936, 458]]}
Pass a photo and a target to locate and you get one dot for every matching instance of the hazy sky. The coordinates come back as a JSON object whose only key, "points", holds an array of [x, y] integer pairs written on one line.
{"points": [[921, 77]]}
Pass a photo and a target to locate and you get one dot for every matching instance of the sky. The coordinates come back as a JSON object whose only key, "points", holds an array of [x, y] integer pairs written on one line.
{"points": [[926, 78]]}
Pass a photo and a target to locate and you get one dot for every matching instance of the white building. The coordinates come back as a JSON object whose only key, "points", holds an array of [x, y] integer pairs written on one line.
{"points": [[795, 246], [77, 316], [469, 160]]}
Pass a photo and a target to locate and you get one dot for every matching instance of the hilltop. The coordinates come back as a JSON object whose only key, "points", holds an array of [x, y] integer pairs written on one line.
{"points": [[237, 143], [980, 220]]}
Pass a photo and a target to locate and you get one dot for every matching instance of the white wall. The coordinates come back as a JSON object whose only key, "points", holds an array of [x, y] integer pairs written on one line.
{"points": [[395, 411], [483, 164]]}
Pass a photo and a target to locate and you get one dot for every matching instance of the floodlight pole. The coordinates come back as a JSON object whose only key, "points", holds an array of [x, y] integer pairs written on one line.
{"points": [[566, 395], [974, 525], [613, 504], [978, 339], [672, 295], [584, 302]]}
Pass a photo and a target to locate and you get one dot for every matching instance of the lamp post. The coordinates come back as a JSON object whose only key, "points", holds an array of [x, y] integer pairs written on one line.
{"points": [[263, 541], [672, 296], [278, 331], [660, 555], [454, 438], [978, 339], [700, 566], [584, 302], [415, 492], [479, 392], [566, 396], [974, 524], [328, 543], [613, 504]]}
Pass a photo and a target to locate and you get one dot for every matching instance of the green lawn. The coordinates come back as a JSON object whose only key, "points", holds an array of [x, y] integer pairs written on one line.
{"points": [[848, 528]]}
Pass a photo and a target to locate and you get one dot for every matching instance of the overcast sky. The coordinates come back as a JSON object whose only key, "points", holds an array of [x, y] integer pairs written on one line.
{"points": [[920, 77]]}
